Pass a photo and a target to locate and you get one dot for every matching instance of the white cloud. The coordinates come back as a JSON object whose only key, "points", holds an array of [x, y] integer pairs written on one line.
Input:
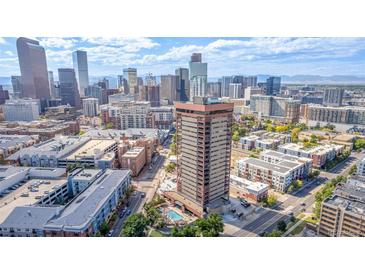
{"points": [[9, 53], [129, 44], [2, 40], [56, 42]]}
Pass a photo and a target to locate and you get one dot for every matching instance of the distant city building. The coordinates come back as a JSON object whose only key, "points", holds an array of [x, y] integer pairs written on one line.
{"points": [[214, 89], [90, 107], [120, 82], [249, 91], [150, 80], [21, 110], [104, 83], [226, 80], [280, 108], [95, 91], [151, 94], [333, 97], [127, 114], [169, 88], [273, 85], [314, 114], [33, 68], [16, 82], [130, 75], [198, 76], [183, 85], [251, 81], [52, 86], [4, 95], [203, 128], [235, 90], [79, 59], [69, 93]]}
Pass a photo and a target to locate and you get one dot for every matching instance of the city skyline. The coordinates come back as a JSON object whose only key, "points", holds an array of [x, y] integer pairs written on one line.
{"points": [[225, 56]]}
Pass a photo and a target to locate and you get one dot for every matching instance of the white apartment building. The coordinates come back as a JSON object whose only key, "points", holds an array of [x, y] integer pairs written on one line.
{"points": [[21, 110]]}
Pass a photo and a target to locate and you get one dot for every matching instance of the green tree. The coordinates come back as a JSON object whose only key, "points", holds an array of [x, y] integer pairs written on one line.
{"points": [[135, 226], [104, 228], [359, 144], [236, 136], [275, 233], [299, 183], [211, 226], [185, 231], [353, 170], [282, 226], [170, 167], [295, 134], [271, 200], [173, 148]]}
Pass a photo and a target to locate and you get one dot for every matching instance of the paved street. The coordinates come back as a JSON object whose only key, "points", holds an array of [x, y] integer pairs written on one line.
{"points": [[269, 219], [134, 204]]}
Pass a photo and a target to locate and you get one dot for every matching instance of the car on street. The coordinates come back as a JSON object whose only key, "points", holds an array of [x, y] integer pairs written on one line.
{"points": [[110, 233], [129, 212], [303, 204], [143, 194]]}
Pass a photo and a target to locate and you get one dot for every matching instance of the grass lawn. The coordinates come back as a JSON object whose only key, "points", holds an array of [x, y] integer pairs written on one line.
{"points": [[311, 220], [155, 233]]}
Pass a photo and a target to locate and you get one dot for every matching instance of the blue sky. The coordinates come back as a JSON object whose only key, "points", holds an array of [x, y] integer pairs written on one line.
{"points": [[225, 56]]}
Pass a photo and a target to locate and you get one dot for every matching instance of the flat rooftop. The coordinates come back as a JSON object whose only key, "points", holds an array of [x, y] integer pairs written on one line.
{"points": [[91, 148], [86, 174], [27, 194], [79, 212], [348, 205], [250, 185], [262, 164], [7, 141], [58, 147], [133, 152]]}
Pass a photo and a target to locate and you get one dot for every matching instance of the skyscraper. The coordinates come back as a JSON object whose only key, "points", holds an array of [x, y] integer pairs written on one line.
{"points": [[52, 87], [203, 131], [33, 68], [169, 88], [183, 86], [226, 80], [120, 84], [130, 75], [235, 90], [79, 59], [16, 82], [333, 97], [69, 92], [90, 107], [214, 89], [273, 85], [198, 76]]}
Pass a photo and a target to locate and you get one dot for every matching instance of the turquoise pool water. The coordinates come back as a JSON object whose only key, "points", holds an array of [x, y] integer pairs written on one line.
{"points": [[173, 215]]}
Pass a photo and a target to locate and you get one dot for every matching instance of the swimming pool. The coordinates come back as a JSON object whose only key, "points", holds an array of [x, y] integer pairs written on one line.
{"points": [[174, 216]]}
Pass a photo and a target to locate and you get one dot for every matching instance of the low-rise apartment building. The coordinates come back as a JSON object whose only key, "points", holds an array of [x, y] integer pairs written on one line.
{"points": [[80, 213], [134, 159], [253, 191], [319, 154], [278, 175]]}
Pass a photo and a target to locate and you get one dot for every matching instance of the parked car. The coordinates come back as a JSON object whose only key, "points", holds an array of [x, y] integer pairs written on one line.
{"points": [[143, 194], [110, 233], [129, 212]]}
